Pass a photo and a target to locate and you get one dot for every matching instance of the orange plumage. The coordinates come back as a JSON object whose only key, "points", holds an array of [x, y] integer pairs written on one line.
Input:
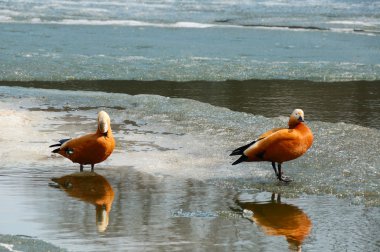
{"points": [[279, 145], [92, 148]]}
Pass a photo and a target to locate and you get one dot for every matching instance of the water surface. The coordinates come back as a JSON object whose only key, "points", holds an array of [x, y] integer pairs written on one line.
{"points": [[350, 102]]}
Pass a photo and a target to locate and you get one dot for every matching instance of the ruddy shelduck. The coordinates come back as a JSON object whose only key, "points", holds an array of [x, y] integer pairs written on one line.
{"points": [[89, 149], [279, 145]]}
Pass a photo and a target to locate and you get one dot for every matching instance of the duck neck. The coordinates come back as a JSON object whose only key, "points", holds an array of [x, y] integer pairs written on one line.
{"points": [[292, 124], [301, 126], [106, 134]]}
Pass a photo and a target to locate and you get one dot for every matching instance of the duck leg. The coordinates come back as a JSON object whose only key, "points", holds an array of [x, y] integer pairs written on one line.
{"points": [[281, 176], [81, 168], [274, 168], [92, 167]]}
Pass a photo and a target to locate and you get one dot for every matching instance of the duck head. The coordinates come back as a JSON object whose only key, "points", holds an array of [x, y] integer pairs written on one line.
{"points": [[296, 117], [104, 122]]}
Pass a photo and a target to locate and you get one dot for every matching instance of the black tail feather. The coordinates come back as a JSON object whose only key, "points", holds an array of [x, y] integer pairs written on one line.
{"points": [[56, 150], [243, 158], [240, 150], [55, 145], [62, 141]]}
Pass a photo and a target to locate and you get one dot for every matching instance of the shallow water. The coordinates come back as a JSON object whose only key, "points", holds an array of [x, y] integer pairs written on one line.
{"points": [[173, 183], [165, 213]]}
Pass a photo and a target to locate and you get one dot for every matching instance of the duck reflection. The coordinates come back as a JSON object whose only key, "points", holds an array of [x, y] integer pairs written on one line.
{"points": [[92, 188], [280, 219]]}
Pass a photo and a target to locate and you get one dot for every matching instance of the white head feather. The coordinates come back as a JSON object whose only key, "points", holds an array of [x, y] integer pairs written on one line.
{"points": [[103, 122]]}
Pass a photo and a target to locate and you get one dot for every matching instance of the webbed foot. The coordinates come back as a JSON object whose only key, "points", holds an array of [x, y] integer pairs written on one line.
{"points": [[285, 179], [281, 176]]}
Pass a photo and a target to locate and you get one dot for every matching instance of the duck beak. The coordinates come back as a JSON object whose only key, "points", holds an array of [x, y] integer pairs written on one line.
{"points": [[300, 119], [103, 127]]}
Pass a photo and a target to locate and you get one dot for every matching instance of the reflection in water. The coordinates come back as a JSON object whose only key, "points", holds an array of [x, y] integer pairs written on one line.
{"points": [[278, 218], [92, 188]]}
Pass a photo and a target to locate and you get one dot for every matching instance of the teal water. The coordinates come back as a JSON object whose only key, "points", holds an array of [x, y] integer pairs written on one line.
{"points": [[65, 52], [325, 41]]}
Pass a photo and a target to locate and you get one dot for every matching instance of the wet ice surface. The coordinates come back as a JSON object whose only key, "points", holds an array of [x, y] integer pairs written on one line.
{"points": [[16, 243], [173, 182]]}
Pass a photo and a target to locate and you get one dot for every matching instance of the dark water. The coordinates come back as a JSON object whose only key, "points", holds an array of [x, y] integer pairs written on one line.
{"points": [[349, 102]]}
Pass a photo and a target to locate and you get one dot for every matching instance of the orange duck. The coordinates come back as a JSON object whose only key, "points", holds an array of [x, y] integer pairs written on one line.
{"points": [[279, 145], [91, 148]]}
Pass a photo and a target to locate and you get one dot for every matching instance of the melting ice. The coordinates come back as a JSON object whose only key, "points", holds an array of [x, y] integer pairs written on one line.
{"points": [[188, 139]]}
